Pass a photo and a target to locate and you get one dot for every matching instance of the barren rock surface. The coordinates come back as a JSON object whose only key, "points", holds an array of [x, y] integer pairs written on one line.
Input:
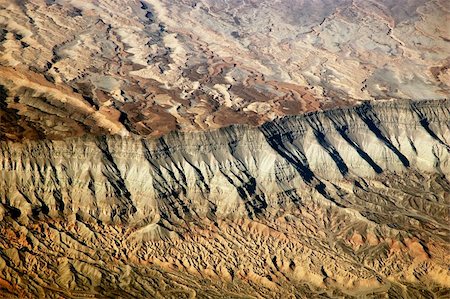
{"points": [[343, 203], [224, 149], [68, 67]]}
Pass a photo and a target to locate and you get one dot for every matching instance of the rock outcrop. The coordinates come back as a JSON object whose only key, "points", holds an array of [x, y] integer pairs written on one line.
{"points": [[152, 67], [346, 202]]}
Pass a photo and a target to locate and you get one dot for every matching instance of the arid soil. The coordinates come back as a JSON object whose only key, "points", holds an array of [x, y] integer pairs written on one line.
{"points": [[347, 203], [68, 67], [224, 149]]}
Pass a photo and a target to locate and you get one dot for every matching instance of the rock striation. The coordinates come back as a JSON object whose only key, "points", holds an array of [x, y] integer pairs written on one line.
{"points": [[70, 67], [341, 203], [224, 149]]}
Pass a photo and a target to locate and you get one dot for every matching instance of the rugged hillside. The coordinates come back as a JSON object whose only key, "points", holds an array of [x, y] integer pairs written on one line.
{"points": [[160, 148], [339, 203], [150, 67]]}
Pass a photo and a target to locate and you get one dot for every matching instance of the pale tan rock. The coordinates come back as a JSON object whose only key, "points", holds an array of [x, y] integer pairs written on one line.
{"points": [[358, 210], [161, 66]]}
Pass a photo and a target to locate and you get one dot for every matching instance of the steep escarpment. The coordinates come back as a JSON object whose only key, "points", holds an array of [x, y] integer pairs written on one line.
{"points": [[339, 203], [69, 67]]}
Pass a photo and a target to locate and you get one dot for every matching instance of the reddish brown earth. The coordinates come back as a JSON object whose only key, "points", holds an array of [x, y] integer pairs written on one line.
{"points": [[303, 149], [149, 68]]}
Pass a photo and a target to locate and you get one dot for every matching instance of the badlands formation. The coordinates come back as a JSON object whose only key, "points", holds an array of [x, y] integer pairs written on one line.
{"points": [[224, 149], [69, 67]]}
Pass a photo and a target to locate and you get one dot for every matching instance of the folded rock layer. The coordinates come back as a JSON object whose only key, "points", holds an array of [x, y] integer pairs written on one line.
{"points": [[346, 202]]}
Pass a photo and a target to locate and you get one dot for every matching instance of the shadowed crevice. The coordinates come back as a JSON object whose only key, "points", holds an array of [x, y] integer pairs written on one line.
{"points": [[343, 132], [112, 173], [170, 203], [425, 123], [277, 143], [246, 187], [159, 181], [334, 154], [368, 116]]}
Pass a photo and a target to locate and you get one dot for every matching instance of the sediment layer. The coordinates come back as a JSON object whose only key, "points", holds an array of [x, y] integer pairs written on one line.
{"points": [[344, 202]]}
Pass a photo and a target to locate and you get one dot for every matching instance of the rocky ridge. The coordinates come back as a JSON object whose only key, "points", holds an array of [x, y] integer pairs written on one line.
{"points": [[346, 202]]}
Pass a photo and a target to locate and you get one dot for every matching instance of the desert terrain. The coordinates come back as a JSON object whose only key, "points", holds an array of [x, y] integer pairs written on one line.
{"points": [[224, 149], [149, 68]]}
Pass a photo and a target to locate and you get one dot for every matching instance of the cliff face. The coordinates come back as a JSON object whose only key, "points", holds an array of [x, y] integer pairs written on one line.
{"points": [[351, 201], [348, 202]]}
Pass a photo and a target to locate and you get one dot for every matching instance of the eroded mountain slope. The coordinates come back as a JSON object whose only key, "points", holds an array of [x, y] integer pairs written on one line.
{"points": [[348, 202], [68, 67]]}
